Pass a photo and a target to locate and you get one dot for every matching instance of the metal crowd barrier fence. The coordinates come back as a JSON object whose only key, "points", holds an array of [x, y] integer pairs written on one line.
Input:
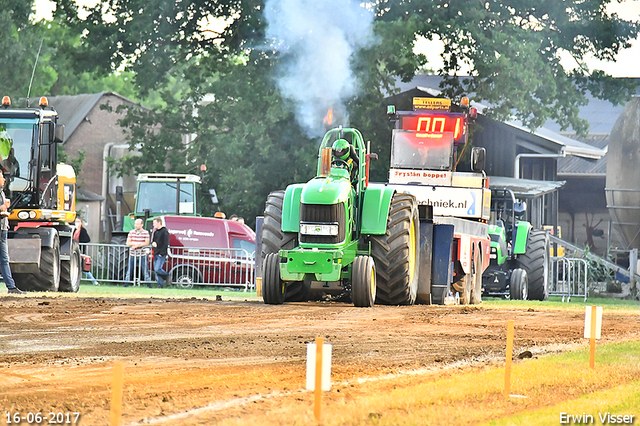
{"points": [[569, 278], [220, 267]]}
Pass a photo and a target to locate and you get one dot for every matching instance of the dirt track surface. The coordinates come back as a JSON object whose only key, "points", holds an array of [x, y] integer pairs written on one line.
{"points": [[202, 361]]}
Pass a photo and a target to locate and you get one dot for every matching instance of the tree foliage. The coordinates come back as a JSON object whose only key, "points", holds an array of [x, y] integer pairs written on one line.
{"points": [[44, 49], [513, 49], [248, 137]]}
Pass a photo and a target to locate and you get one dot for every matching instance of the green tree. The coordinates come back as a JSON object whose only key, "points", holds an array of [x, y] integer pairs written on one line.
{"points": [[19, 45], [248, 137], [45, 49]]}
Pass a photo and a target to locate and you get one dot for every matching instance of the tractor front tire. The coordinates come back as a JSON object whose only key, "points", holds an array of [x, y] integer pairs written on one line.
{"points": [[536, 263], [48, 277], [396, 254], [274, 240], [518, 285], [70, 270], [272, 285], [363, 282]]}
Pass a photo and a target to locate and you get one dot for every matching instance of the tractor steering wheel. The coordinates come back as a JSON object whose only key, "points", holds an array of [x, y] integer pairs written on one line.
{"points": [[340, 163]]}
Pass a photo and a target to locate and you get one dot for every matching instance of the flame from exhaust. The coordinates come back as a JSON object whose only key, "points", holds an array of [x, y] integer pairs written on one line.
{"points": [[328, 119]]}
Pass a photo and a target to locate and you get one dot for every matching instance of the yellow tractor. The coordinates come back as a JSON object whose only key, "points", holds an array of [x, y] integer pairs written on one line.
{"points": [[43, 254]]}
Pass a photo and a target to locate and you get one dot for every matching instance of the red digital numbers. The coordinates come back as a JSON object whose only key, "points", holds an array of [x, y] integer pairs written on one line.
{"points": [[423, 124]]}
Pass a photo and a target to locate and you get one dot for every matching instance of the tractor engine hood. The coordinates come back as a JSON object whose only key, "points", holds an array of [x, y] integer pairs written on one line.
{"points": [[326, 190]]}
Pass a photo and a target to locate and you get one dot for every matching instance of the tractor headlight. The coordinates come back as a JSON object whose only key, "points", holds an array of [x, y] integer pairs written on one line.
{"points": [[319, 229], [23, 214], [32, 214]]}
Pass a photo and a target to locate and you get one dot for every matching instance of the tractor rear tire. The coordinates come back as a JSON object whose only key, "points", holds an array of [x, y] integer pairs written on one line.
{"points": [[48, 277], [518, 285], [363, 282], [536, 263], [117, 258], [274, 240], [396, 253], [272, 285], [70, 270]]}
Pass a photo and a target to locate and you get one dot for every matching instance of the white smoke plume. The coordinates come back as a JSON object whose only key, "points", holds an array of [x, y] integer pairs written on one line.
{"points": [[318, 39]]}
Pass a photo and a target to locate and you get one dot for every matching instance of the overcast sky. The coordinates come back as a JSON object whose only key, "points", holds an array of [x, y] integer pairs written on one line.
{"points": [[627, 64]]}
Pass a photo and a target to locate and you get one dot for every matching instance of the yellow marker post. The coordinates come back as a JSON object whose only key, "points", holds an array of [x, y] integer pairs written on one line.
{"points": [[318, 384], [116, 394], [592, 328], [507, 367], [592, 338]]}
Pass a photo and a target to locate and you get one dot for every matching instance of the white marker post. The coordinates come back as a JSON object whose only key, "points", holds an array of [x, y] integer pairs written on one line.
{"points": [[592, 328], [116, 393], [318, 371]]}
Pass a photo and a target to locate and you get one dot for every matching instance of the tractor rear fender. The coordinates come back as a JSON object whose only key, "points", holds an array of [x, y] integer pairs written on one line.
{"points": [[520, 237], [291, 208], [375, 209]]}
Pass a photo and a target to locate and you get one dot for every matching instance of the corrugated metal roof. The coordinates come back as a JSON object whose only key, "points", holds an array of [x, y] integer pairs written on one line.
{"points": [[525, 188], [581, 166]]}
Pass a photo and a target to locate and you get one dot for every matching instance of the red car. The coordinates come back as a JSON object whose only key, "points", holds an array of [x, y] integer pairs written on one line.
{"points": [[210, 251]]}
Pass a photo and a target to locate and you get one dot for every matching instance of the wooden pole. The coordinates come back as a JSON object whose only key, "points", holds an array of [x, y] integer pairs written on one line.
{"points": [[507, 367], [318, 383], [116, 394], [592, 354]]}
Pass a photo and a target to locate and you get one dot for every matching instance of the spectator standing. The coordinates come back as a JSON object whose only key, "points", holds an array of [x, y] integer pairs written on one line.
{"points": [[4, 249], [82, 236], [160, 246], [137, 240]]}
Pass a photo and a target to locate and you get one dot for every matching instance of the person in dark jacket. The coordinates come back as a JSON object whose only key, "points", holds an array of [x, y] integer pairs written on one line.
{"points": [[160, 244], [81, 234]]}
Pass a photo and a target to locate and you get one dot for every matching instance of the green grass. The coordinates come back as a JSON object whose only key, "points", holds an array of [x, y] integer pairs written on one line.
{"points": [[86, 288], [555, 302], [207, 292], [546, 386], [622, 398]]}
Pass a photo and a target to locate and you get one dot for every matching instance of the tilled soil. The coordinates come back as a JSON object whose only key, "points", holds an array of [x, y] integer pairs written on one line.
{"points": [[198, 361]]}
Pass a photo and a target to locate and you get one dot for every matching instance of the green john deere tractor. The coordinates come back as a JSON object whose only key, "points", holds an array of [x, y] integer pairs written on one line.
{"points": [[519, 267], [340, 235]]}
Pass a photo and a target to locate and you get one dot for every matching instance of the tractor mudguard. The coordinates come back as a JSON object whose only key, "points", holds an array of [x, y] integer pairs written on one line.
{"points": [[520, 237], [375, 209], [291, 208]]}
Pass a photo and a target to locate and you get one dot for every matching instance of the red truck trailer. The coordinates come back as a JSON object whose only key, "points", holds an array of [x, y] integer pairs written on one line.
{"points": [[210, 251]]}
